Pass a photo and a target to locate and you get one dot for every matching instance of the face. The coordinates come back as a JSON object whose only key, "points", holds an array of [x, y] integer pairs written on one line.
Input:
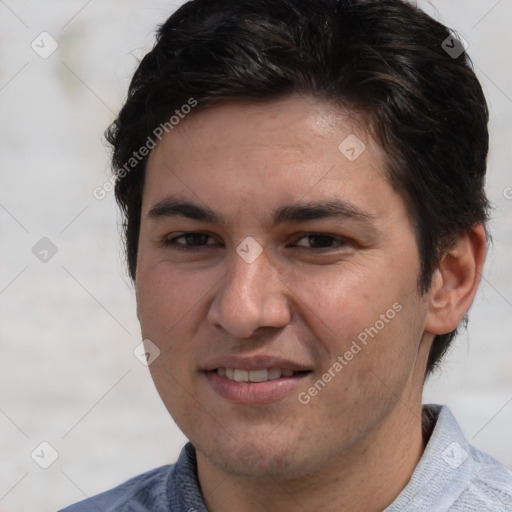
{"points": [[278, 279]]}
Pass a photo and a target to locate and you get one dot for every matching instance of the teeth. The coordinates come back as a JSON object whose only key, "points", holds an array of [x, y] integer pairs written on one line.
{"points": [[274, 373], [258, 376], [254, 375], [241, 376]]}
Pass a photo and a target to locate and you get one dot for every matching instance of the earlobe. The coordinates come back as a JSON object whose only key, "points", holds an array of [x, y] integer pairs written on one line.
{"points": [[456, 281]]}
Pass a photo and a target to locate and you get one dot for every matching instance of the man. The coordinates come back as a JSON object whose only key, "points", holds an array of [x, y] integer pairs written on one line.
{"points": [[302, 187]]}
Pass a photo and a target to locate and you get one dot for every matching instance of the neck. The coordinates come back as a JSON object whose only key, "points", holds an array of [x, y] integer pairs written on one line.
{"points": [[368, 477]]}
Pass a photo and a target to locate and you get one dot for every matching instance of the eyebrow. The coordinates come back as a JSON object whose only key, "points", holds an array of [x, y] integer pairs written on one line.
{"points": [[295, 212], [336, 208], [173, 207]]}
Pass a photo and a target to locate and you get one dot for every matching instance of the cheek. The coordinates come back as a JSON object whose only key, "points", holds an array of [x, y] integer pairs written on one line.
{"points": [[338, 304], [170, 308], [168, 301]]}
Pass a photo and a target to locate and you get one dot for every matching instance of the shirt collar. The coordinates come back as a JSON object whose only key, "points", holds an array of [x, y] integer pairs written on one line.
{"points": [[443, 470]]}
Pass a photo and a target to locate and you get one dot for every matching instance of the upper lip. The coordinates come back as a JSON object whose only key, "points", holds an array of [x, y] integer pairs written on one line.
{"points": [[255, 362]]}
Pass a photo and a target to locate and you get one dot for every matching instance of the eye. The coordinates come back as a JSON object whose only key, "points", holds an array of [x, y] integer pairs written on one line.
{"points": [[320, 241], [189, 241]]}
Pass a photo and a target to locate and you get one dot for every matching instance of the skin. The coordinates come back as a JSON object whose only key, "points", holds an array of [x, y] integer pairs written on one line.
{"points": [[356, 443]]}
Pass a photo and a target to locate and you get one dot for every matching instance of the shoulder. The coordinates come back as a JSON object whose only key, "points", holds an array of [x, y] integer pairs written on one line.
{"points": [[489, 486], [453, 475], [148, 491]]}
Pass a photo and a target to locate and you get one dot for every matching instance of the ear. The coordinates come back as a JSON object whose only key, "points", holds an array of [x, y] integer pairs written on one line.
{"points": [[456, 281]]}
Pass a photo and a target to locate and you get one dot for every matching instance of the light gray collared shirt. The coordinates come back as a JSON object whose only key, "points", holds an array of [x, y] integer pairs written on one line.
{"points": [[452, 476]]}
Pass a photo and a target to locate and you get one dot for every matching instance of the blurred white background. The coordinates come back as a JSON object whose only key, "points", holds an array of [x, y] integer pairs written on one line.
{"points": [[68, 374]]}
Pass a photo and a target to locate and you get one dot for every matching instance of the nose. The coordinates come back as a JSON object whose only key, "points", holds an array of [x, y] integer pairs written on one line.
{"points": [[251, 296]]}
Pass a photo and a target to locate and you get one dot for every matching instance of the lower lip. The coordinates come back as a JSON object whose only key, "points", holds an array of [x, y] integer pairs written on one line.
{"points": [[253, 392]]}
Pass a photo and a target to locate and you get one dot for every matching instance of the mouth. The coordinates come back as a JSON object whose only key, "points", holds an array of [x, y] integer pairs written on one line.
{"points": [[257, 386], [262, 375]]}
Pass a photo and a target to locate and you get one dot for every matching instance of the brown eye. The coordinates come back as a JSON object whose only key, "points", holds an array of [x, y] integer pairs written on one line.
{"points": [[188, 241], [320, 241]]}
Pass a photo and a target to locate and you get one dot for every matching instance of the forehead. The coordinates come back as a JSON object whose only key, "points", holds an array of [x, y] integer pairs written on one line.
{"points": [[247, 157]]}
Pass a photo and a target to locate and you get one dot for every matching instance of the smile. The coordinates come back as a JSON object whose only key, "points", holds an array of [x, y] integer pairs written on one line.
{"points": [[252, 387], [262, 375]]}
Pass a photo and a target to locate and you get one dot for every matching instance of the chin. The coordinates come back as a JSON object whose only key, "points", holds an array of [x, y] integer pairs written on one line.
{"points": [[259, 460]]}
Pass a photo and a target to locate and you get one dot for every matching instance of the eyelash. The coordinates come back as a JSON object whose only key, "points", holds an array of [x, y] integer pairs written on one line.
{"points": [[171, 242]]}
